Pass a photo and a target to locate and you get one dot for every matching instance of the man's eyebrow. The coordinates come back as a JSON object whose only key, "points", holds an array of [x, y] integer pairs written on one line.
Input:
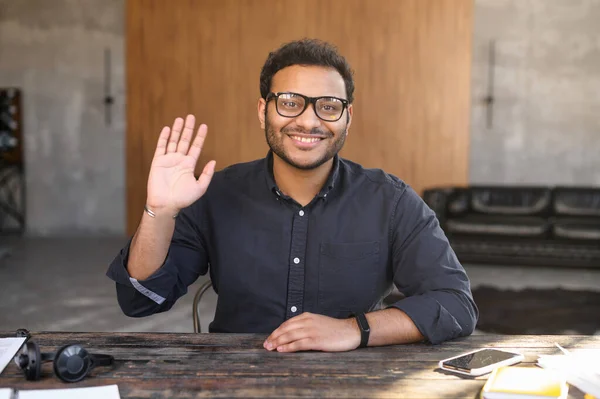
{"points": [[342, 96]]}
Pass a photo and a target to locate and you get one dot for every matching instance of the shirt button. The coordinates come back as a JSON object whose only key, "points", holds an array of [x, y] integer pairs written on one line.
{"points": [[301, 213], [296, 260], [293, 309]]}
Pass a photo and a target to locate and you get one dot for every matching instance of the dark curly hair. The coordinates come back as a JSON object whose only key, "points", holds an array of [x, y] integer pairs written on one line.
{"points": [[306, 52]]}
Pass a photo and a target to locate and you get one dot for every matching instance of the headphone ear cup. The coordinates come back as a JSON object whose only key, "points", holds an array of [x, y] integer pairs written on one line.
{"points": [[33, 370], [72, 363]]}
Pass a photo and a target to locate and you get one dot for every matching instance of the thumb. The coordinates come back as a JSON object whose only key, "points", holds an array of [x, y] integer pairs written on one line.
{"points": [[205, 178]]}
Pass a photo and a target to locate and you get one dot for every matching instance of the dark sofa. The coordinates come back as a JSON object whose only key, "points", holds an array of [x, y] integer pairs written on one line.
{"points": [[546, 226]]}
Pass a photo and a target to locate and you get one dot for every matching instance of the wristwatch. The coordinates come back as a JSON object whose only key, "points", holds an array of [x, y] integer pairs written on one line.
{"points": [[365, 330]]}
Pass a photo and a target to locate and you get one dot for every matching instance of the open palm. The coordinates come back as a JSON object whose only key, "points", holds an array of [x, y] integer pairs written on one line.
{"points": [[172, 185]]}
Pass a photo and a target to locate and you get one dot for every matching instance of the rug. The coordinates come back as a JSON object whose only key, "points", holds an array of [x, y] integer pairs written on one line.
{"points": [[537, 311]]}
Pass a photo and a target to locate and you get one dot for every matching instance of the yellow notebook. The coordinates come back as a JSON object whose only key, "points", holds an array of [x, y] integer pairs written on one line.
{"points": [[524, 383]]}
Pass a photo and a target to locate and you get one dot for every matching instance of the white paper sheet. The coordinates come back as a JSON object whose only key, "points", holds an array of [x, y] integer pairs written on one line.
{"points": [[581, 368], [103, 392], [8, 349]]}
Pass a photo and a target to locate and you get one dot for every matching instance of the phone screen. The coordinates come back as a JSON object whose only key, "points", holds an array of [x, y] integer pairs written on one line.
{"points": [[478, 359]]}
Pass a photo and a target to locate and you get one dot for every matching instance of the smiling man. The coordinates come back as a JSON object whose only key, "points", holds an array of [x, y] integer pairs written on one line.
{"points": [[302, 245]]}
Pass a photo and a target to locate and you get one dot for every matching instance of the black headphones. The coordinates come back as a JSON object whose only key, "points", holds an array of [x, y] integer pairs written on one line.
{"points": [[72, 363]]}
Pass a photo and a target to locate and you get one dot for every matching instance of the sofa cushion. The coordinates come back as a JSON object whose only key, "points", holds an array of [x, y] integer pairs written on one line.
{"points": [[459, 202], [437, 200], [577, 201], [511, 200], [577, 228], [512, 226]]}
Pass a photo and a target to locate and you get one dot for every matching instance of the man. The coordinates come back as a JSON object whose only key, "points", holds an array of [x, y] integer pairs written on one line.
{"points": [[302, 245]]}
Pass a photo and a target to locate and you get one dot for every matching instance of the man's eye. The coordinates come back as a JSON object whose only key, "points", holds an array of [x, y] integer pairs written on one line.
{"points": [[290, 104], [330, 107]]}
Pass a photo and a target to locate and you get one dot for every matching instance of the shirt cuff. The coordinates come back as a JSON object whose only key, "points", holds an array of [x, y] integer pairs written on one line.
{"points": [[156, 287], [430, 317], [146, 292]]}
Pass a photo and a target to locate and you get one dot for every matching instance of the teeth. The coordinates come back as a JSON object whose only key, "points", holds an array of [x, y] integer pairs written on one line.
{"points": [[306, 139]]}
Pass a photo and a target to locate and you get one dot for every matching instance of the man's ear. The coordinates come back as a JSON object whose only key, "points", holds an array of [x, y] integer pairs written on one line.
{"points": [[262, 107], [350, 114]]}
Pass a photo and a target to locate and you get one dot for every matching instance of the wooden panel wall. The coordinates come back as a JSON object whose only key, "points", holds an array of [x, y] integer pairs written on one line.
{"points": [[412, 61]]}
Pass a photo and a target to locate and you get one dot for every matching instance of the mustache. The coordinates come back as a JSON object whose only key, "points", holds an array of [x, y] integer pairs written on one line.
{"points": [[315, 131]]}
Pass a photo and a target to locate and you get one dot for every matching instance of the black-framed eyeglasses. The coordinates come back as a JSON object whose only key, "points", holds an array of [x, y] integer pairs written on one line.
{"points": [[292, 105]]}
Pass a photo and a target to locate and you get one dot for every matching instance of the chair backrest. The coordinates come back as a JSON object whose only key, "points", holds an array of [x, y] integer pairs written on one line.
{"points": [[197, 297]]}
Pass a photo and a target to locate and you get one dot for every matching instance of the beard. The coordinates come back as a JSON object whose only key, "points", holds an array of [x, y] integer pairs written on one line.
{"points": [[275, 141]]}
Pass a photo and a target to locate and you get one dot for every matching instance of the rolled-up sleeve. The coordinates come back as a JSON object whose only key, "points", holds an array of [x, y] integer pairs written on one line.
{"points": [[186, 260], [426, 270]]}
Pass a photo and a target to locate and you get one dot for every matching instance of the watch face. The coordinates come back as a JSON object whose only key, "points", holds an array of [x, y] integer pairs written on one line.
{"points": [[363, 325]]}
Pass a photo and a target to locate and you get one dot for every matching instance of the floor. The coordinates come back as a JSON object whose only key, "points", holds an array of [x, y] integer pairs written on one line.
{"points": [[59, 284]]}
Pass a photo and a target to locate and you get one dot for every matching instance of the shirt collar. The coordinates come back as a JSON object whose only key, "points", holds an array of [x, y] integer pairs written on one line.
{"points": [[327, 187]]}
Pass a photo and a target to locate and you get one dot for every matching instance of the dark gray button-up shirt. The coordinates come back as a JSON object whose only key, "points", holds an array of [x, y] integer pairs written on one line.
{"points": [[271, 259]]}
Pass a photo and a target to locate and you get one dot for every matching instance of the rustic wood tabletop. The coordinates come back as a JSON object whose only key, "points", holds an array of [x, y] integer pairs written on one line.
{"points": [[166, 365]]}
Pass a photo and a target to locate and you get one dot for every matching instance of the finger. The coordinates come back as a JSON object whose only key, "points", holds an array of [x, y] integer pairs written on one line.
{"points": [[163, 138], [198, 142], [305, 344], [289, 325], [206, 177], [283, 328], [286, 338], [302, 316], [186, 135], [175, 132]]}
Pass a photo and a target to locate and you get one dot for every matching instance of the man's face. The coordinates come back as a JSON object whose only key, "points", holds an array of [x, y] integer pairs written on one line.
{"points": [[305, 141]]}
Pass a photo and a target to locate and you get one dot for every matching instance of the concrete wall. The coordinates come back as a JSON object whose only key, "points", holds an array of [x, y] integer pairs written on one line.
{"points": [[546, 128], [54, 51]]}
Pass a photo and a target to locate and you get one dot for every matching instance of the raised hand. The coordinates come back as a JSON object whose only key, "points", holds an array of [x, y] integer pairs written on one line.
{"points": [[172, 185]]}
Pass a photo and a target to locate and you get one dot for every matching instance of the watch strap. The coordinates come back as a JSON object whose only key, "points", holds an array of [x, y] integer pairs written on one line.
{"points": [[365, 330]]}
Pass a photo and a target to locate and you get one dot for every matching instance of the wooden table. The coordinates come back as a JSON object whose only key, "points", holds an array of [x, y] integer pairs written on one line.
{"points": [[236, 365]]}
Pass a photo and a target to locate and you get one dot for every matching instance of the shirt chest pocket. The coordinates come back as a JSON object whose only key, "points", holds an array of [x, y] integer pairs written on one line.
{"points": [[349, 276]]}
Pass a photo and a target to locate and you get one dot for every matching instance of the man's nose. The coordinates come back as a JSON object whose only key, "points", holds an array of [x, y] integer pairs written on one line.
{"points": [[308, 119]]}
